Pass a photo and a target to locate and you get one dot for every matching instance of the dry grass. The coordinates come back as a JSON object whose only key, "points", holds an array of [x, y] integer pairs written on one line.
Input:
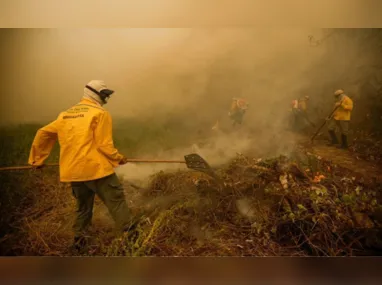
{"points": [[251, 213]]}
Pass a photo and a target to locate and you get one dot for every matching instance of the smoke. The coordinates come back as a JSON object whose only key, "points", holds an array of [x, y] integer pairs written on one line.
{"points": [[187, 75], [216, 151], [152, 69]]}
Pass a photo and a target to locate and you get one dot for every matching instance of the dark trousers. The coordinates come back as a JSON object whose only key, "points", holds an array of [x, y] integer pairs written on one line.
{"points": [[110, 190], [237, 117]]}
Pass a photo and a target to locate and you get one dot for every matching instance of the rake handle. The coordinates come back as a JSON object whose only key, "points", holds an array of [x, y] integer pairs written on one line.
{"points": [[156, 161], [130, 160], [330, 116], [24, 167]]}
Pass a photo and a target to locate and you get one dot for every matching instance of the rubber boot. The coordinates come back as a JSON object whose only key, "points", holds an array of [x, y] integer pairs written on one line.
{"points": [[344, 140], [333, 138]]}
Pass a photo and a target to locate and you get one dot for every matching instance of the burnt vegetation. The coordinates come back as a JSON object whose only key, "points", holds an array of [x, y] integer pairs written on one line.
{"points": [[262, 204]]}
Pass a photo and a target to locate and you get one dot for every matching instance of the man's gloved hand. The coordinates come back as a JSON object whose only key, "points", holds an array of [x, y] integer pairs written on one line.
{"points": [[123, 161], [337, 104]]}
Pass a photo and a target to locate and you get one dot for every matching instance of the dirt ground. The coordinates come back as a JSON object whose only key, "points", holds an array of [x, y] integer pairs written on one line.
{"points": [[345, 158]]}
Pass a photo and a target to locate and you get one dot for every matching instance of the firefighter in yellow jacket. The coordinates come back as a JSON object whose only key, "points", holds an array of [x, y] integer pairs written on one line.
{"points": [[340, 119], [238, 108], [87, 158], [300, 113]]}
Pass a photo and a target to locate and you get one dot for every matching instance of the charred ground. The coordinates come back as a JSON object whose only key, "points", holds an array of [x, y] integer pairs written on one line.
{"points": [[281, 196], [300, 203]]}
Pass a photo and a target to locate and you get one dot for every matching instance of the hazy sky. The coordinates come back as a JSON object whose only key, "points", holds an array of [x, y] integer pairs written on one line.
{"points": [[45, 70], [188, 13]]}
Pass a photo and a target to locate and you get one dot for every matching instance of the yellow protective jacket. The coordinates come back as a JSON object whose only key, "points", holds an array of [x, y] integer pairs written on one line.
{"points": [[302, 105], [238, 105], [343, 113], [234, 107], [84, 133]]}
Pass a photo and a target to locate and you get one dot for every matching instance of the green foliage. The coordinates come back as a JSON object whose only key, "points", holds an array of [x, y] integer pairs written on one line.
{"points": [[135, 136], [15, 143], [131, 136]]}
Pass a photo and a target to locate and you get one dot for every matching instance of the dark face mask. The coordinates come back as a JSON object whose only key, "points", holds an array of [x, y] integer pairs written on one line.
{"points": [[104, 94]]}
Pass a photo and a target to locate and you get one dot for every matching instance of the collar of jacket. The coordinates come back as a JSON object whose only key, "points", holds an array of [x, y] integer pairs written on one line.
{"points": [[90, 102], [342, 97]]}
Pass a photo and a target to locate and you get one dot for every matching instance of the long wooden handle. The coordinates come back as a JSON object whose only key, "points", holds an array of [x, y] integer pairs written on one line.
{"points": [[155, 161], [330, 116], [130, 160], [316, 133], [25, 167]]}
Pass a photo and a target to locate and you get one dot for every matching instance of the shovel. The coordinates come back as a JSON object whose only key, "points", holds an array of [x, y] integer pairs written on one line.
{"points": [[192, 161]]}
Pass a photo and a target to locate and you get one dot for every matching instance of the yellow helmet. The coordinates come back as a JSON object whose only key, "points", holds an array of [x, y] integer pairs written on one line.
{"points": [[339, 92]]}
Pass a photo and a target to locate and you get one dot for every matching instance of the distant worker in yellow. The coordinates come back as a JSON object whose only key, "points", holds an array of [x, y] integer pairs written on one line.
{"points": [[340, 118], [238, 108], [87, 158], [303, 104], [300, 113]]}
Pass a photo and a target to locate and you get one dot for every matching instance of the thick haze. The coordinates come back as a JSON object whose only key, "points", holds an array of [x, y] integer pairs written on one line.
{"points": [[190, 74], [154, 70]]}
